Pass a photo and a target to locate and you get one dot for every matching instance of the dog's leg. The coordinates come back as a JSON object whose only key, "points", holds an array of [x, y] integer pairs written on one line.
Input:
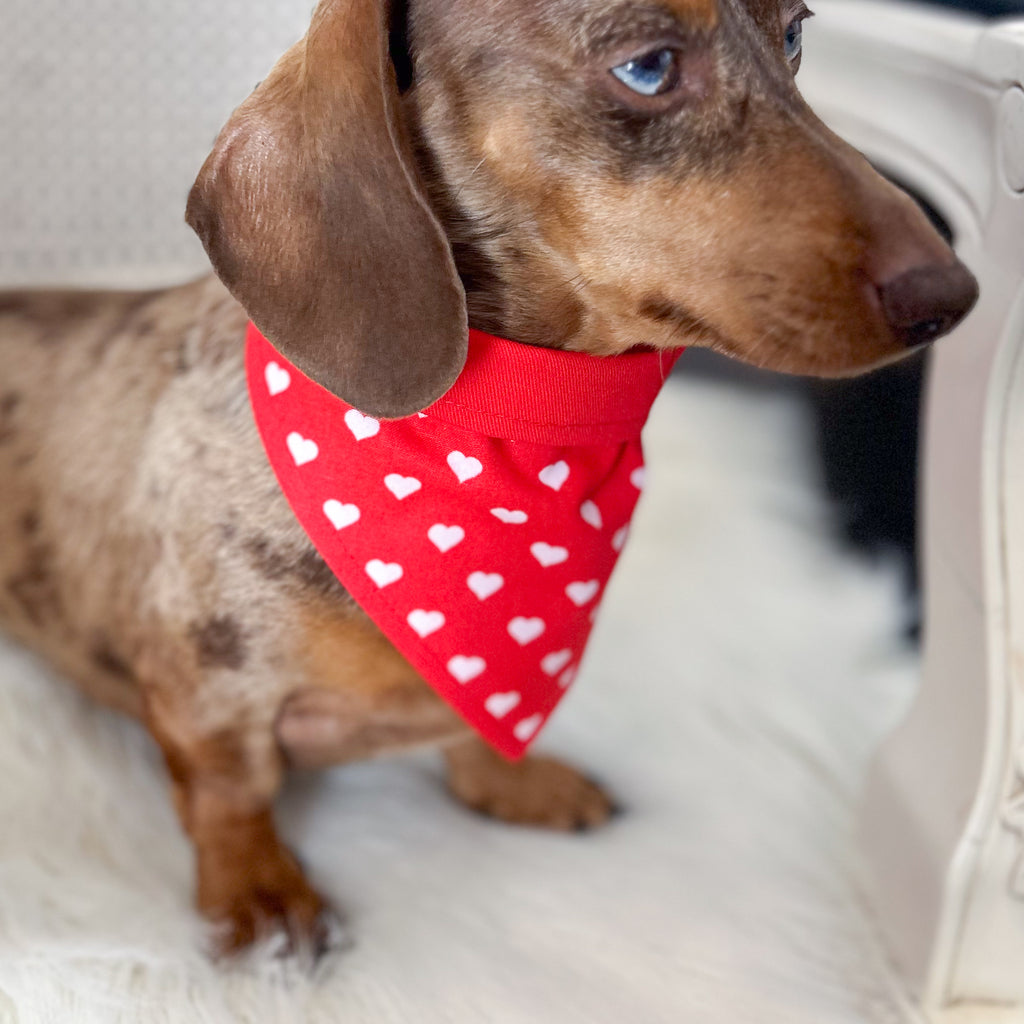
{"points": [[535, 791], [249, 885]]}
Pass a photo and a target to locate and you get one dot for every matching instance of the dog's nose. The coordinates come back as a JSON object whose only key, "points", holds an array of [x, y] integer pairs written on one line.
{"points": [[926, 302]]}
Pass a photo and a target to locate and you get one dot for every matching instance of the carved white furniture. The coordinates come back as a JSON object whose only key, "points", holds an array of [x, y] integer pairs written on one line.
{"points": [[935, 99]]}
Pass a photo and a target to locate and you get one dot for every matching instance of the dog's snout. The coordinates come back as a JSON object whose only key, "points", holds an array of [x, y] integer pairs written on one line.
{"points": [[928, 301]]}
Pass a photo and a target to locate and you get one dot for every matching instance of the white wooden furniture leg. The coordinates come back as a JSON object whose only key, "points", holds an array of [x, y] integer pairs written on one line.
{"points": [[943, 818], [936, 101]]}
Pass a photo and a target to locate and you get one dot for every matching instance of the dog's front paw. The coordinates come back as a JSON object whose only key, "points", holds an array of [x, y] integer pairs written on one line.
{"points": [[537, 791], [270, 902]]}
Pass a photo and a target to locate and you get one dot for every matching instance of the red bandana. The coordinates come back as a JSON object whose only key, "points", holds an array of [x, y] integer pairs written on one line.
{"points": [[478, 536]]}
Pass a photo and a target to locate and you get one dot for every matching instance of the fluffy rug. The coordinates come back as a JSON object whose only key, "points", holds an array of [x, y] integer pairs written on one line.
{"points": [[743, 671]]}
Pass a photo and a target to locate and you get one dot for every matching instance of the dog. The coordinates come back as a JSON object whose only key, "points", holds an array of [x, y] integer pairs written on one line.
{"points": [[586, 175]]}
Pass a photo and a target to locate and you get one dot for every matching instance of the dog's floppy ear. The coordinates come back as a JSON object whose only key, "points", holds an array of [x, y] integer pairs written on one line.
{"points": [[310, 210]]}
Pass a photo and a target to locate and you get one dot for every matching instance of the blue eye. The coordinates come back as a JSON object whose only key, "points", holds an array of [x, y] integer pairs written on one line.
{"points": [[650, 74], [793, 40]]}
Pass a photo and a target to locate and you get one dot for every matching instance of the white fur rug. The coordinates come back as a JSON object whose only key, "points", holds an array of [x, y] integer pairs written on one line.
{"points": [[743, 671]]}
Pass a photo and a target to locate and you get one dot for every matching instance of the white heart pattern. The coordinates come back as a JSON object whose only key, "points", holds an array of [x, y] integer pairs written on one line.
{"points": [[620, 537], [444, 538], [514, 517], [500, 704], [526, 727], [464, 467], [484, 584], [302, 449], [555, 475], [566, 678], [401, 486], [340, 515], [638, 478], [362, 427], [383, 573], [548, 554], [424, 623], [278, 379], [581, 593], [524, 631], [465, 668], [591, 515], [554, 662]]}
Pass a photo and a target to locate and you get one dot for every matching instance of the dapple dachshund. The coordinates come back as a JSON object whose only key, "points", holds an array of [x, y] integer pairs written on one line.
{"points": [[590, 175]]}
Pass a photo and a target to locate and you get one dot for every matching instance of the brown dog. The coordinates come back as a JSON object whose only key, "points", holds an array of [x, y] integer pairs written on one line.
{"points": [[588, 174]]}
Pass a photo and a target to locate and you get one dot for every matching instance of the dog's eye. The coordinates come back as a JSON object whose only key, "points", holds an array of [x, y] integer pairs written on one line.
{"points": [[794, 39], [650, 74]]}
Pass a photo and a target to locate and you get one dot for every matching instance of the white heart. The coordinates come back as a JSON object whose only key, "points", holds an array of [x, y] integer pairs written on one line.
{"points": [[619, 540], [483, 584], [302, 449], [401, 486], [464, 467], [361, 426], [566, 678], [424, 623], [526, 727], [582, 593], [638, 478], [513, 516], [340, 515], [525, 631], [555, 475], [554, 662], [548, 554], [444, 538], [500, 704], [278, 378], [465, 668], [591, 514], [383, 573]]}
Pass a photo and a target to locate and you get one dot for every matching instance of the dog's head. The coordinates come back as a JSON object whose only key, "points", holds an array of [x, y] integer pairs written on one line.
{"points": [[594, 174]]}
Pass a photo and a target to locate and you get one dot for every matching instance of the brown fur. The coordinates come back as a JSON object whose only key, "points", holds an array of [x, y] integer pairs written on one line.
{"points": [[144, 545]]}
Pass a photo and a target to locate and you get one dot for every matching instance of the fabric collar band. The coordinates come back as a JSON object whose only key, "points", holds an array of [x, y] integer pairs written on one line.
{"points": [[585, 399]]}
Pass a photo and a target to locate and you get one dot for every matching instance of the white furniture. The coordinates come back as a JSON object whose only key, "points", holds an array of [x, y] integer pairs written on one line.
{"points": [[935, 99]]}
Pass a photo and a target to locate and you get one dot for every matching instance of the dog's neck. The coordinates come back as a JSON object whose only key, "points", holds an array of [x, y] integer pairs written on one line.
{"points": [[516, 286]]}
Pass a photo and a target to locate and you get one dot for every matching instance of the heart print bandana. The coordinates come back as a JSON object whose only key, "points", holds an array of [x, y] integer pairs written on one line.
{"points": [[479, 535]]}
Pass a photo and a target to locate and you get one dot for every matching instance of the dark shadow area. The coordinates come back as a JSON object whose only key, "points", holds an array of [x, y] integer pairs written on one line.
{"points": [[984, 8]]}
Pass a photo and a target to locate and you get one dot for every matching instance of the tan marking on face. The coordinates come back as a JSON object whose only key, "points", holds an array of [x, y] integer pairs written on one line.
{"points": [[697, 13], [714, 251], [507, 143]]}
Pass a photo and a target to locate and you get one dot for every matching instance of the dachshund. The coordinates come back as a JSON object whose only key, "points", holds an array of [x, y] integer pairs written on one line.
{"points": [[586, 175]]}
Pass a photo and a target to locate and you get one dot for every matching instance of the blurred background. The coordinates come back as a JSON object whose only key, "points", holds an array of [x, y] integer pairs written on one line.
{"points": [[758, 643]]}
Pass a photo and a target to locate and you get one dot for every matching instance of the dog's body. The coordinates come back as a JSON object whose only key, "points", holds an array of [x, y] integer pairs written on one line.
{"points": [[145, 548], [147, 551]]}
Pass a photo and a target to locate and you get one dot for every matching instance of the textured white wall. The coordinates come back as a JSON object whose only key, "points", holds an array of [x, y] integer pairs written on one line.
{"points": [[107, 110]]}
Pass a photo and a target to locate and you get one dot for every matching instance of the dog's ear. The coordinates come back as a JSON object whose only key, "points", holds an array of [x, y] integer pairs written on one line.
{"points": [[310, 210]]}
